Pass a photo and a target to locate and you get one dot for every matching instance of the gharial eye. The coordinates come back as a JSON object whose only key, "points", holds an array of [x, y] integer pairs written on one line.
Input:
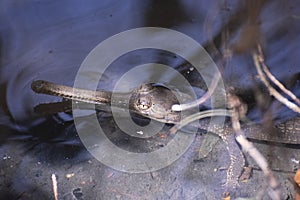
{"points": [[144, 103], [143, 107]]}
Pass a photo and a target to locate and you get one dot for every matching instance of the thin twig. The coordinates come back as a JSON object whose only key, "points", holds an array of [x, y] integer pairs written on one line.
{"points": [[258, 60], [213, 48], [273, 78], [207, 95], [54, 185], [262, 163], [248, 147]]}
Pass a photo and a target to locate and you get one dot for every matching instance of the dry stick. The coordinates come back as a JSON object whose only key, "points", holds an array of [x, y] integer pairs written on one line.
{"points": [[258, 60], [211, 44], [280, 85], [214, 82], [248, 147], [274, 80], [54, 184], [211, 89]]}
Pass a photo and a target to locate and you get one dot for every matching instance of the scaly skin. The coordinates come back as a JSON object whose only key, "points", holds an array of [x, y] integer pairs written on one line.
{"points": [[156, 102]]}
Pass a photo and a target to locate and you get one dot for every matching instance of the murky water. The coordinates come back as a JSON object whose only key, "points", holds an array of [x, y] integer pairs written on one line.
{"points": [[50, 39]]}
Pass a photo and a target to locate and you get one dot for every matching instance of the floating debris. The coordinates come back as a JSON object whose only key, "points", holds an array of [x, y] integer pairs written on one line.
{"points": [[140, 132], [70, 175]]}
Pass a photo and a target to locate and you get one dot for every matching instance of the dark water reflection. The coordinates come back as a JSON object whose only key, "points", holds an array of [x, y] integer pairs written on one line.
{"points": [[50, 39]]}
